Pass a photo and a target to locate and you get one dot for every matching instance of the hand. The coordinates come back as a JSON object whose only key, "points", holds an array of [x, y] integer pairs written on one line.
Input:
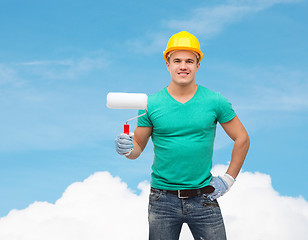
{"points": [[222, 184], [124, 144]]}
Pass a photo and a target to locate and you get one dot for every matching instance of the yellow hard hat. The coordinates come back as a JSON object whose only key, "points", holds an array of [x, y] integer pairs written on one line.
{"points": [[183, 41]]}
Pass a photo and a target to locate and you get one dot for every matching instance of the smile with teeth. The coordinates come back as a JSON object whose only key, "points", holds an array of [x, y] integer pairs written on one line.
{"points": [[183, 73]]}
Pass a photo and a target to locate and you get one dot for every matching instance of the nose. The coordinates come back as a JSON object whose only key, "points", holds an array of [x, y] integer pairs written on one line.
{"points": [[183, 65]]}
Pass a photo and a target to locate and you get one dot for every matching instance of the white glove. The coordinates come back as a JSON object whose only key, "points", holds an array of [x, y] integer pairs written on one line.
{"points": [[124, 144], [222, 184]]}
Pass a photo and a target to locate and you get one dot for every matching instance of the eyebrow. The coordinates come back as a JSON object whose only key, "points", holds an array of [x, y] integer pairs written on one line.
{"points": [[187, 59]]}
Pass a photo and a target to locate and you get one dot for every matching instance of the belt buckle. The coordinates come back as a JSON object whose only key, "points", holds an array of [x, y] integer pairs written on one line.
{"points": [[179, 195]]}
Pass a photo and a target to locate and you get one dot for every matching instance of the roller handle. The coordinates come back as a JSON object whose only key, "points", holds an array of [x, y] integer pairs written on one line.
{"points": [[126, 129]]}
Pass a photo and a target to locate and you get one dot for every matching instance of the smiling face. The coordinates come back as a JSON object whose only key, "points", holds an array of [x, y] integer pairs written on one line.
{"points": [[183, 66]]}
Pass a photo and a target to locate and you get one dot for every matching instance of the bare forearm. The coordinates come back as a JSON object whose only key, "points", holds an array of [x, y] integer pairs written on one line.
{"points": [[239, 152], [136, 151], [141, 137]]}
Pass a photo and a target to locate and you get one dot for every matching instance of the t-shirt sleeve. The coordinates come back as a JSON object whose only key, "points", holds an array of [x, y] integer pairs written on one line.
{"points": [[144, 121], [225, 111]]}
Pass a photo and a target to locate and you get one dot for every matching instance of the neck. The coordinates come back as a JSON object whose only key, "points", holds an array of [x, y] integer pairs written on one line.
{"points": [[182, 93]]}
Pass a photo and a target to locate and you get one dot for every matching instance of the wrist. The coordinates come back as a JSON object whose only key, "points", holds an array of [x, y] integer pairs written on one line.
{"points": [[228, 179], [129, 153]]}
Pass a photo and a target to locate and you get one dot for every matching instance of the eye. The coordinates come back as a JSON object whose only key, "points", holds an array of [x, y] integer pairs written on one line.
{"points": [[190, 61]]}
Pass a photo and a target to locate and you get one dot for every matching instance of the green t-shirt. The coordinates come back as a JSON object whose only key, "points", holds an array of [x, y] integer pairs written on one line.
{"points": [[183, 137]]}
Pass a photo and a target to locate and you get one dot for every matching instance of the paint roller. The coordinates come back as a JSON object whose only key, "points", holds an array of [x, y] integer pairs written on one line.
{"points": [[120, 100]]}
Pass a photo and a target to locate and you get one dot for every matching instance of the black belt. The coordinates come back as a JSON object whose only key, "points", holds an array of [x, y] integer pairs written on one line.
{"points": [[187, 193]]}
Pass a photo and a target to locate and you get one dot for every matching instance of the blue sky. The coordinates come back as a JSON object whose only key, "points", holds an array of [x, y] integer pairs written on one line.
{"points": [[59, 59]]}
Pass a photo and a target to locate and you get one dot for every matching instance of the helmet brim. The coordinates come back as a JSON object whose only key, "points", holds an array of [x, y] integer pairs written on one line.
{"points": [[165, 53]]}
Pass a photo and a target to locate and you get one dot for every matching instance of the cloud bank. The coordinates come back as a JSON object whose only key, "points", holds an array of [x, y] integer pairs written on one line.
{"points": [[103, 207]]}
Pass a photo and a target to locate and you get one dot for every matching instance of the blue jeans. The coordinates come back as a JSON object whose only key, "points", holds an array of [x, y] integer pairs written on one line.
{"points": [[167, 213]]}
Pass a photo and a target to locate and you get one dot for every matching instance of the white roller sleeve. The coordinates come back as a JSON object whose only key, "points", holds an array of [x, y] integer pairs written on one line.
{"points": [[119, 100]]}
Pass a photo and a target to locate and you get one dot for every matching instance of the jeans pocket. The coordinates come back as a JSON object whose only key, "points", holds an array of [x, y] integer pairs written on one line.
{"points": [[209, 203], [155, 195]]}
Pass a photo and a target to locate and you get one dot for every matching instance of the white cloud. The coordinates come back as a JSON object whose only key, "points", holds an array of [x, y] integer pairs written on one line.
{"points": [[206, 22], [8, 76], [209, 21], [5, 74], [264, 97], [39, 114], [52, 119], [261, 3], [65, 68], [50, 62], [270, 88], [103, 207], [254, 210], [148, 44]]}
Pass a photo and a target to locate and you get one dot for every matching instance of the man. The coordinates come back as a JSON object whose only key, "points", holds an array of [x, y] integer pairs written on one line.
{"points": [[181, 119]]}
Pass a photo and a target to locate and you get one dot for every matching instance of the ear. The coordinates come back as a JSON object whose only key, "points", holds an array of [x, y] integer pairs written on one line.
{"points": [[168, 66], [198, 65]]}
